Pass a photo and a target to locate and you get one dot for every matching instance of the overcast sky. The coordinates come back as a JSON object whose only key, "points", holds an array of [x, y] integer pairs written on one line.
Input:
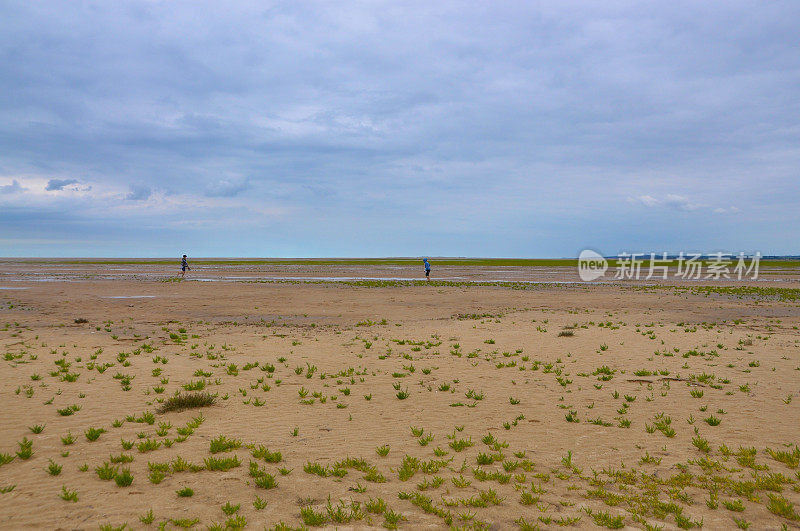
{"points": [[513, 129]]}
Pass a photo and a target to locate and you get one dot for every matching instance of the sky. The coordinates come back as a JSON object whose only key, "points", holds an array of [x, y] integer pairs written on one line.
{"points": [[292, 129]]}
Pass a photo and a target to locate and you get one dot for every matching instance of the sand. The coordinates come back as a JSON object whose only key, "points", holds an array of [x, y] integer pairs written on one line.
{"points": [[621, 355]]}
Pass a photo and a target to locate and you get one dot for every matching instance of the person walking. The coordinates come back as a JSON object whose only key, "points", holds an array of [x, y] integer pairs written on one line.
{"points": [[184, 266], [427, 269]]}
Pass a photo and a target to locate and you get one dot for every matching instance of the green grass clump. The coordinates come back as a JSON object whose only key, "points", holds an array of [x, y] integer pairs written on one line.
{"points": [[221, 463], [223, 444], [185, 492], [701, 444], [261, 477], [147, 518], [37, 428], [68, 495], [263, 453], [53, 468], [323, 471], [235, 523], [313, 518], [734, 505], [485, 458], [187, 401], [121, 458], [461, 444], [124, 478], [148, 445], [106, 472], [69, 410], [25, 449], [408, 468], [376, 506], [92, 434], [391, 519], [184, 523], [605, 519], [229, 509], [145, 418], [383, 451], [790, 459], [782, 507], [179, 464]]}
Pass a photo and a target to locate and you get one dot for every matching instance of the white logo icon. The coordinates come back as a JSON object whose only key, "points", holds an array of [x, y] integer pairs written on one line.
{"points": [[591, 265]]}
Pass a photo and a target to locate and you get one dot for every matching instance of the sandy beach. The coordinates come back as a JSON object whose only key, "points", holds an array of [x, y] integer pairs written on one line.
{"points": [[354, 404]]}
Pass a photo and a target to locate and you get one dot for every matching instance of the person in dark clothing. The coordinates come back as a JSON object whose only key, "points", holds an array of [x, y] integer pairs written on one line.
{"points": [[184, 266], [427, 269]]}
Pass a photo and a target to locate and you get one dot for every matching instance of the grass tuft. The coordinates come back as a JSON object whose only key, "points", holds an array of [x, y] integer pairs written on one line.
{"points": [[68, 495], [124, 478], [782, 507], [223, 444], [25, 449], [222, 463], [53, 468], [187, 401], [92, 434]]}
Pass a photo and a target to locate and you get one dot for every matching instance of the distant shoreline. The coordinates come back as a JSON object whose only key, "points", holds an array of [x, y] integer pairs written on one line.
{"points": [[766, 261]]}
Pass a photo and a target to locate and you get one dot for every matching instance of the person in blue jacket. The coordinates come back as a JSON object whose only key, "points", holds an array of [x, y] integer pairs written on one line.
{"points": [[427, 269]]}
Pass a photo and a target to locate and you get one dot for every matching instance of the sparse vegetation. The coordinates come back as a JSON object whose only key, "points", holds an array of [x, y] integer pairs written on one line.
{"points": [[187, 401]]}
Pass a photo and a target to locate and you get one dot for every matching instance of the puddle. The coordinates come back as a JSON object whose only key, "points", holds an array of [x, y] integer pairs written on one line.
{"points": [[130, 297], [4, 287], [49, 279]]}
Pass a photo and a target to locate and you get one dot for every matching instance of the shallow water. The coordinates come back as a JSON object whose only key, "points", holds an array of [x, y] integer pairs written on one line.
{"points": [[48, 272], [389, 279]]}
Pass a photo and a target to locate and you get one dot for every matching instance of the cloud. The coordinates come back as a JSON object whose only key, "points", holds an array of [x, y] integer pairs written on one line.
{"points": [[671, 201], [679, 202], [13, 188], [227, 187], [138, 192], [649, 200], [59, 184]]}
